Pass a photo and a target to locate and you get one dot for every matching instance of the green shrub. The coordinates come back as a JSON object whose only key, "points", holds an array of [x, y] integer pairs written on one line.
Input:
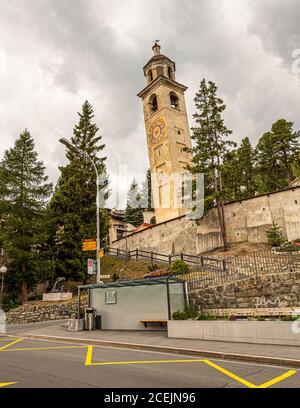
{"points": [[289, 318], [206, 315], [179, 267], [153, 267], [275, 236], [190, 312]]}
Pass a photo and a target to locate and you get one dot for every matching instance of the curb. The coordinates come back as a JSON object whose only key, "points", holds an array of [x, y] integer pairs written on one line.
{"points": [[278, 361]]}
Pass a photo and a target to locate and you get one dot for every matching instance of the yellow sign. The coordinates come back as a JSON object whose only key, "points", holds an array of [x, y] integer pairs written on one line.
{"points": [[89, 245], [101, 253]]}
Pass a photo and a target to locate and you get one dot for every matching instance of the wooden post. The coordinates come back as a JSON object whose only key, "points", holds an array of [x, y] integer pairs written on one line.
{"points": [[170, 260], [181, 256], [136, 254], [151, 257]]}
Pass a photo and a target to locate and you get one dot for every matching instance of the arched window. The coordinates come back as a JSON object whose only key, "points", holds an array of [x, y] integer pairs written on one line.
{"points": [[159, 71], [150, 73], [174, 100], [153, 220], [153, 103], [170, 72]]}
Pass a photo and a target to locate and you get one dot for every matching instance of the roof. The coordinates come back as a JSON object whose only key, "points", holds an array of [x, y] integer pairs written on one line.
{"points": [[142, 227], [157, 58], [137, 282]]}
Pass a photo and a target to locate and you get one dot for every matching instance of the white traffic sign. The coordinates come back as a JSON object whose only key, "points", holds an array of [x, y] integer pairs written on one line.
{"points": [[105, 276], [90, 266]]}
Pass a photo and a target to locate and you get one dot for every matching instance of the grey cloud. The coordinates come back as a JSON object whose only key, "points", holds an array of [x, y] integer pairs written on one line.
{"points": [[60, 52], [276, 22]]}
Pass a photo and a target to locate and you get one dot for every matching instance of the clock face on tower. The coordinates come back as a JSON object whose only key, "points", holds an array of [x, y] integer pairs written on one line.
{"points": [[157, 131]]}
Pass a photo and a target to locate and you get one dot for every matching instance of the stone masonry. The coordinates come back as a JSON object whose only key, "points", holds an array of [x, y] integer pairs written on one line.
{"points": [[33, 314], [271, 290]]}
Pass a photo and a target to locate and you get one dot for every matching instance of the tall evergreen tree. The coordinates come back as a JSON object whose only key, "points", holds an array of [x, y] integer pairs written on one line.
{"points": [[287, 145], [277, 155], [238, 172], [231, 177], [146, 192], [210, 147], [246, 160], [73, 205], [134, 211], [269, 171], [23, 196]]}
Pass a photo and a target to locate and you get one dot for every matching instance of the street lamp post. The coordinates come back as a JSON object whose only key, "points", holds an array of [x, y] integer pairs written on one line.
{"points": [[72, 147], [3, 271]]}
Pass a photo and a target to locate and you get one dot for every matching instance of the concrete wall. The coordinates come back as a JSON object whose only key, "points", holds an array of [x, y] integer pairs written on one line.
{"points": [[246, 220], [178, 235], [136, 303], [266, 332]]}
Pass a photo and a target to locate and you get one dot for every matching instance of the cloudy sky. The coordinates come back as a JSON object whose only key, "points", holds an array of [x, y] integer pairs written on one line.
{"points": [[54, 54]]}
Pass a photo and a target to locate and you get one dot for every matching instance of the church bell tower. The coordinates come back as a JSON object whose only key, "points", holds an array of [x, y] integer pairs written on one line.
{"points": [[167, 132]]}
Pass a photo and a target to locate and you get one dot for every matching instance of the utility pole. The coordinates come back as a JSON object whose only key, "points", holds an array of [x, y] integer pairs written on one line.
{"points": [[72, 147]]}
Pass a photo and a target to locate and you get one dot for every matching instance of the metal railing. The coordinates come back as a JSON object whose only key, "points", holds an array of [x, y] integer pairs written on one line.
{"points": [[197, 262], [208, 271], [256, 264]]}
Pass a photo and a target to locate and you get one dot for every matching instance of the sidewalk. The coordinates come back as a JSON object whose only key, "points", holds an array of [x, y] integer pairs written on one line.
{"points": [[159, 342]]}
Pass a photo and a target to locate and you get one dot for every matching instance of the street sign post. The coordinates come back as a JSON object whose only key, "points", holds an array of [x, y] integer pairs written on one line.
{"points": [[89, 245]]}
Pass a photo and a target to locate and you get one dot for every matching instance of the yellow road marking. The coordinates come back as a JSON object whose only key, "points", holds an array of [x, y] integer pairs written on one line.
{"points": [[89, 354], [146, 362], [248, 383], [10, 344], [7, 384], [278, 379], [44, 348]]}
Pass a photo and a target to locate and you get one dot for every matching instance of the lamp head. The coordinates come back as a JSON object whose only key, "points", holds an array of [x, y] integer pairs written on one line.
{"points": [[3, 269]]}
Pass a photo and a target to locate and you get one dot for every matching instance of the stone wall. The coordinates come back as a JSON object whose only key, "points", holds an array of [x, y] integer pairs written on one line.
{"points": [[40, 313], [246, 221], [273, 290], [175, 236]]}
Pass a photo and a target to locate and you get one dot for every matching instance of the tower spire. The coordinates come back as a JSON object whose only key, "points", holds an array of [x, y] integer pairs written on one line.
{"points": [[156, 47]]}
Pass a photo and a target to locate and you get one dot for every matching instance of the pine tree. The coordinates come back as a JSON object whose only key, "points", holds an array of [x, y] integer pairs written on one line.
{"points": [[238, 172], [23, 193], [146, 192], [231, 176], [269, 171], [73, 205], [287, 145], [277, 155], [246, 160], [134, 212], [210, 147]]}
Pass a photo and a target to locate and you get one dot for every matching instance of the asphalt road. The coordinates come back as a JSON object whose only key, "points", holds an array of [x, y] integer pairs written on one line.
{"points": [[43, 364]]}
